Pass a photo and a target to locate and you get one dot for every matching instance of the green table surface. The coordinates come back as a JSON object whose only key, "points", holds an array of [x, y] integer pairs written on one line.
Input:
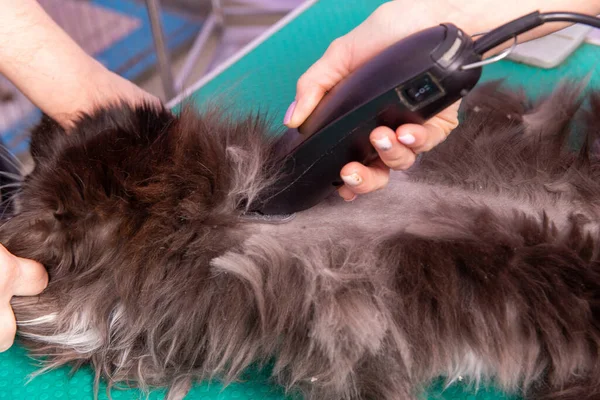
{"points": [[265, 80]]}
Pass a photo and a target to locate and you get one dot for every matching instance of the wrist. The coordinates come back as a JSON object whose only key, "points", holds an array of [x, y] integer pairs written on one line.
{"points": [[40, 59], [79, 90]]}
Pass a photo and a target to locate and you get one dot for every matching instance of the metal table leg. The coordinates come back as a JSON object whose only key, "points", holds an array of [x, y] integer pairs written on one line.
{"points": [[214, 23], [162, 54]]}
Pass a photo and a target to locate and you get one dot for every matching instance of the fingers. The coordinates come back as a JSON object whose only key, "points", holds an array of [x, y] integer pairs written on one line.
{"points": [[422, 138], [21, 277], [392, 152], [8, 327], [359, 179], [32, 278], [397, 150], [346, 193], [9, 272]]}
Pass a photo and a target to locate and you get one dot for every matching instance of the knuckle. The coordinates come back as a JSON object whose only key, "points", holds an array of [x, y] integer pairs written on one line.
{"points": [[436, 135], [374, 182], [449, 126], [402, 164], [448, 123], [421, 140], [364, 187], [303, 82], [337, 45], [427, 146], [403, 159]]}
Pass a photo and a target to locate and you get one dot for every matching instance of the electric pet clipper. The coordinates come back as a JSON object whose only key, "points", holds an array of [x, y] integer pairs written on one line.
{"points": [[409, 82]]}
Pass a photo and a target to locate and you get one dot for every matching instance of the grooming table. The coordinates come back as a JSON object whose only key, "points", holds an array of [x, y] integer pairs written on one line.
{"points": [[263, 77]]}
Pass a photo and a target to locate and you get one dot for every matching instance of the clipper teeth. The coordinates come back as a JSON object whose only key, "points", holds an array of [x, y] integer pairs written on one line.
{"points": [[268, 219]]}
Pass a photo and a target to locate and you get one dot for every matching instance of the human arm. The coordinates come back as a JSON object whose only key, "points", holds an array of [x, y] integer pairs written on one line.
{"points": [[44, 63]]}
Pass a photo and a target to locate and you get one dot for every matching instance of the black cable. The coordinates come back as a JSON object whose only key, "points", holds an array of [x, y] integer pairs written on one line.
{"points": [[527, 23], [571, 17]]}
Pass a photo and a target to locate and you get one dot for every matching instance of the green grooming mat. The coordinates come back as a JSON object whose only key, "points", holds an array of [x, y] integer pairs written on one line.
{"points": [[265, 80]]}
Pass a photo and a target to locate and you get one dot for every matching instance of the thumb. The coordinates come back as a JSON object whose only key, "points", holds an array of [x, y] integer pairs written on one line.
{"points": [[32, 278], [8, 327], [24, 277]]}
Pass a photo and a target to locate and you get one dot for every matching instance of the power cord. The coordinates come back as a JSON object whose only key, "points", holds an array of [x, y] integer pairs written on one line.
{"points": [[526, 23]]}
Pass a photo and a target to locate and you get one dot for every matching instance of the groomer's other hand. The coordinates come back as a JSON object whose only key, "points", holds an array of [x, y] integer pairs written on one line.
{"points": [[99, 87], [388, 24], [52, 71], [18, 277]]}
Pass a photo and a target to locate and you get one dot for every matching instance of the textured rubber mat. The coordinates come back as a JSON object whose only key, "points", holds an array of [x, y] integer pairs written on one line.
{"points": [[16, 366], [265, 80]]}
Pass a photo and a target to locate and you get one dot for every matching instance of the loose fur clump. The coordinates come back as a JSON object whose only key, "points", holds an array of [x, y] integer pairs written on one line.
{"points": [[479, 263]]}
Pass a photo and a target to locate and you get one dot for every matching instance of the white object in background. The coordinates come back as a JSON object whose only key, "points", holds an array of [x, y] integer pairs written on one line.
{"points": [[551, 50], [593, 37]]}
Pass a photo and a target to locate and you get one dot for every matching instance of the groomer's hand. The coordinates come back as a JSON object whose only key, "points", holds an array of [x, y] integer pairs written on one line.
{"points": [[390, 23], [50, 68], [18, 277]]}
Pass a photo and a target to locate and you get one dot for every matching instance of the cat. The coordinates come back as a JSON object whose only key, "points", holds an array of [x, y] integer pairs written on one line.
{"points": [[479, 263]]}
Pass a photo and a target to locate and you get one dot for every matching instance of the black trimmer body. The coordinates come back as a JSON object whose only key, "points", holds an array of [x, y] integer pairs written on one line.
{"points": [[409, 82]]}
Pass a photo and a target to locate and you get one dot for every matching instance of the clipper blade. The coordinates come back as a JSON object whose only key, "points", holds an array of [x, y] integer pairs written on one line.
{"points": [[268, 219]]}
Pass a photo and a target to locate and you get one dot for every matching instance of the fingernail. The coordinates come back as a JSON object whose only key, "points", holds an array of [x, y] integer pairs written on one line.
{"points": [[289, 113], [383, 144], [352, 199], [407, 138], [353, 179]]}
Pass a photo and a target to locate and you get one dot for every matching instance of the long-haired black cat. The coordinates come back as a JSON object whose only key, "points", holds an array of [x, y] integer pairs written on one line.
{"points": [[480, 262]]}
